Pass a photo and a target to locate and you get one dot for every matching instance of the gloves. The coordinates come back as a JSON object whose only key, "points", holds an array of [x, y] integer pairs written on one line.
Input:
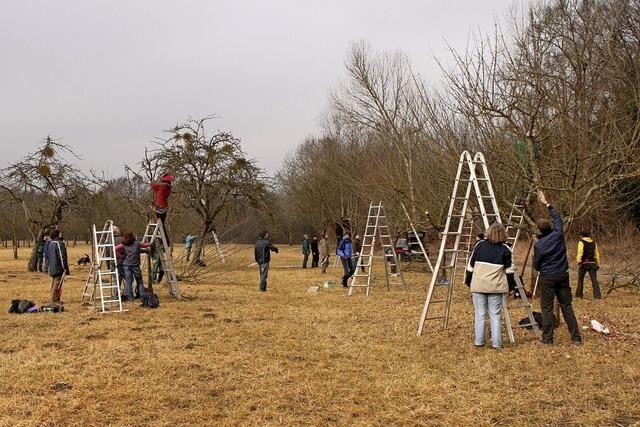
{"points": [[467, 278]]}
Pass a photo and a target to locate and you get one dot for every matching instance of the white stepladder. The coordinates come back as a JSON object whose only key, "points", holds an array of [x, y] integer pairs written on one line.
{"points": [[376, 229], [154, 234], [102, 288], [472, 174], [415, 233]]}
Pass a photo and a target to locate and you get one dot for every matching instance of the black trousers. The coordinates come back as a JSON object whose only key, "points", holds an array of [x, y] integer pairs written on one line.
{"points": [[315, 259], [162, 217], [552, 287], [305, 260], [593, 275]]}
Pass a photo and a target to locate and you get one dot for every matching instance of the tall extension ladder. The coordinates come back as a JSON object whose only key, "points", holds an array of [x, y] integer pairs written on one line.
{"points": [[415, 233], [472, 172], [376, 229], [154, 234], [102, 288]]}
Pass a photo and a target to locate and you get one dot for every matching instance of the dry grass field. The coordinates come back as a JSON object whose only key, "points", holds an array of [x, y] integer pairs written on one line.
{"points": [[234, 356]]}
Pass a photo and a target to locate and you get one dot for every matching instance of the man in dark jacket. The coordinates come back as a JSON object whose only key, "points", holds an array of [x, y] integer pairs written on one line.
{"points": [[306, 250], [550, 259], [58, 265], [315, 252], [262, 253]]}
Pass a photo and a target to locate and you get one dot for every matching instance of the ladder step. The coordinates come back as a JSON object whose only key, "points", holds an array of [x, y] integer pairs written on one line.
{"points": [[434, 317], [526, 325], [515, 307]]}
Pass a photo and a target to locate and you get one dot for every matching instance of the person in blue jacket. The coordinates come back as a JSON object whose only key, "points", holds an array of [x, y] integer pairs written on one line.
{"points": [[550, 259], [345, 251]]}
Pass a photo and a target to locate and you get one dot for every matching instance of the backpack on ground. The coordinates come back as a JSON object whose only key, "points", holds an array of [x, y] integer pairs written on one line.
{"points": [[20, 306], [150, 300]]}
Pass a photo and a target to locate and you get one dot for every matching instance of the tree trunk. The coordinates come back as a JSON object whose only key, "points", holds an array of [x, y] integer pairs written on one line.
{"points": [[199, 247], [15, 246]]}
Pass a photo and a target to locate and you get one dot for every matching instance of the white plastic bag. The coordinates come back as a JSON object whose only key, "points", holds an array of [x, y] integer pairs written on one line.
{"points": [[599, 327]]}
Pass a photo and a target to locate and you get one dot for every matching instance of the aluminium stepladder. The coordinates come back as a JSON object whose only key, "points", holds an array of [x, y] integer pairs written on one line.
{"points": [[472, 174], [376, 230], [154, 234], [102, 289], [415, 233]]}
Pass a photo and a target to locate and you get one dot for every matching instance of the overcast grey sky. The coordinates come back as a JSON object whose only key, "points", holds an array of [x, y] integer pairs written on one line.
{"points": [[108, 76]]}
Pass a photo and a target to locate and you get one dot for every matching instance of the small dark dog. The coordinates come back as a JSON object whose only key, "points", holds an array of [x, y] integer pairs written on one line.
{"points": [[84, 261]]}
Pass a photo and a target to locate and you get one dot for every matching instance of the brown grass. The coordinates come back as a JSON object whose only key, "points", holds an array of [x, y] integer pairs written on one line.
{"points": [[234, 356]]}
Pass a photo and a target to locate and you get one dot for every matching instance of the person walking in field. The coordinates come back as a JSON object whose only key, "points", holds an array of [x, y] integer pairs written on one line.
{"points": [[58, 265], [345, 251], [490, 275], [315, 252], [588, 258], [550, 259], [161, 193], [130, 250], [306, 250], [262, 254], [323, 248]]}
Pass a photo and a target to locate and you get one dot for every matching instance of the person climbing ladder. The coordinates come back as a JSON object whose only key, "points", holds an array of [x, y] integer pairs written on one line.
{"points": [[161, 193]]}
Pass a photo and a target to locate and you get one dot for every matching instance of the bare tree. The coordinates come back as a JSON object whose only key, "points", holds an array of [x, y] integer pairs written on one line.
{"points": [[44, 184], [213, 174]]}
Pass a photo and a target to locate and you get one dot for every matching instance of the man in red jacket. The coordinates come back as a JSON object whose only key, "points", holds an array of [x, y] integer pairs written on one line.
{"points": [[161, 193]]}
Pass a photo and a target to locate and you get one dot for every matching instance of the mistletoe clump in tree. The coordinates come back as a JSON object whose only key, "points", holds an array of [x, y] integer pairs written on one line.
{"points": [[213, 174], [44, 184]]}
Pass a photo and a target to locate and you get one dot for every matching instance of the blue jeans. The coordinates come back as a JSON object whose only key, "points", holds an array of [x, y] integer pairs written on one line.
{"points": [[493, 304], [133, 272], [347, 266]]}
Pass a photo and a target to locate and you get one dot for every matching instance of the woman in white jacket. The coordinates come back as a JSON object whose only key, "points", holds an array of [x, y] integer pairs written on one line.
{"points": [[490, 275]]}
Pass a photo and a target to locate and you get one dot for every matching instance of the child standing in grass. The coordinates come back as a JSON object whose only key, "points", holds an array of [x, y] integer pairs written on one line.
{"points": [[129, 251]]}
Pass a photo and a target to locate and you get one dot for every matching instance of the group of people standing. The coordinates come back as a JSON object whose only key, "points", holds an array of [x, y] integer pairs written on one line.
{"points": [[490, 275]]}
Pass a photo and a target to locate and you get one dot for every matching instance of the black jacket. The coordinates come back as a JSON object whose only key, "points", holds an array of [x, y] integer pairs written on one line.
{"points": [[550, 251], [262, 251]]}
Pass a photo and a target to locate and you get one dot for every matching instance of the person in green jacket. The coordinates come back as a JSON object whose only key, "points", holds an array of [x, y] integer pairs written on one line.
{"points": [[158, 270], [40, 257]]}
